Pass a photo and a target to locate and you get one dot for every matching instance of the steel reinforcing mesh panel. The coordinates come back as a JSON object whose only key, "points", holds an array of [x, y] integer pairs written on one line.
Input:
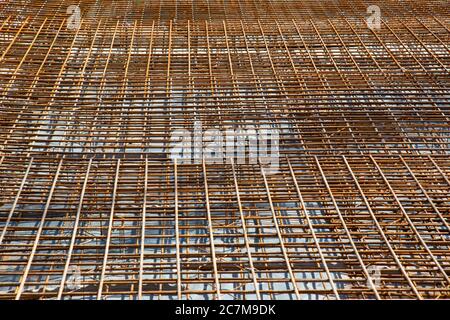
{"points": [[93, 205]]}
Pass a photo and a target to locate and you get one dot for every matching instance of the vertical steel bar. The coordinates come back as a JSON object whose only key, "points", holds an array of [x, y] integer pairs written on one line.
{"points": [[177, 232], [16, 200], [108, 237], [313, 233], [211, 234], [143, 224], [244, 229], [411, 224], [38, 233], [74, 231], [280, 237], [347, 232]]}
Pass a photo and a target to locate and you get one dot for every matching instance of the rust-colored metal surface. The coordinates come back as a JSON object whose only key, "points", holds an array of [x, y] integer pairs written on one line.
{"points": [[94, 205]]}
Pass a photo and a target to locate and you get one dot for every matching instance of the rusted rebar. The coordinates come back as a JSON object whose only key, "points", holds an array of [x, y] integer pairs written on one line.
{"points": [[93, 204]]}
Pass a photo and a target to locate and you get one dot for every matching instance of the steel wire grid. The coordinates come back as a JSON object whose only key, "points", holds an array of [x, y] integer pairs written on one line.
{"points": [[247, 10], [330, 86], [201, 231], [92, 206]]}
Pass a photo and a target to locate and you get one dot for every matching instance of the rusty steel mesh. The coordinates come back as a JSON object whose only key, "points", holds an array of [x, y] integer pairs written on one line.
{"points": [[93, 205]]}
